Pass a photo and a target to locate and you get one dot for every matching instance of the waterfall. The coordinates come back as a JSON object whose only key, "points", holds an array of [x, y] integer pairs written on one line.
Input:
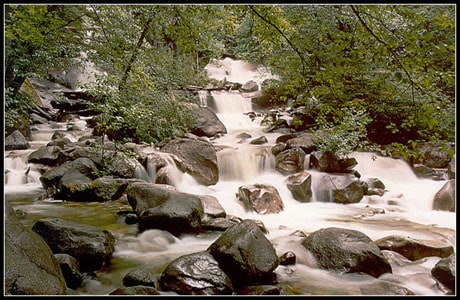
{"points": [[404, 209]]}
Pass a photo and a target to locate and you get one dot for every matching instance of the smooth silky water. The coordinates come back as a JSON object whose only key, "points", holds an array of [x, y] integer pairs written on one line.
{"points": [[405, 209]]}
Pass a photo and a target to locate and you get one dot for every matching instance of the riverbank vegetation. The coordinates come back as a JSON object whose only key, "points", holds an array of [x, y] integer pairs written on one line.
{"points": [[385, 71]]}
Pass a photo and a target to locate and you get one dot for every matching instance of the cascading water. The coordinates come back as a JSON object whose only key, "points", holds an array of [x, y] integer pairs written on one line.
{"points": [[406, 205]]}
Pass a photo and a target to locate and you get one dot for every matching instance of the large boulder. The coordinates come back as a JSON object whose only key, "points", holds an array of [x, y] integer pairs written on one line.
{"points": [[303, 141], [143, 195], [261, 198], [140, 276], [435, 155], [207, 123], [250, 86], [30, 267], [444, 199], [196, 274], [300, 186], [346, 250], [70, 269], [107, 188], [180, 213], [414, 249], [47, 155], [74, 186], [198, 158], [90, 245], [16, 141], [52, 177], [245, 254], [160, 206], [343, 189], [327, 161], [444, 271], [290, 161]]}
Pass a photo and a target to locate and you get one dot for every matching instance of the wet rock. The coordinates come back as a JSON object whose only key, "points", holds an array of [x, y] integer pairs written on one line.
{"points": [[108, 188], [451, 168], [290, 161], [196, 274], [74, 186], [207, 123], [52, 177], [435, 155], [245, 254], [47, 155], [414, 249], [63, 142], [339, 189], [180, 213], [143, 195], [90, 245], [300, 186], [278, 148], [139, 276], [303, 141], [261, 198], [259, 141], [211, 207], [30, 267], [16, 141], [288, 258], [198, 158], [70, 269], [346, 251], [444, 271], [218, 224], [250, 86], [444, 199]]}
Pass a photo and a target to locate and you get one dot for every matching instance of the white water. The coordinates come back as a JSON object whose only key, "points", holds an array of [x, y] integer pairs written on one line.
{"points": [[406, 206], [405, 209]]}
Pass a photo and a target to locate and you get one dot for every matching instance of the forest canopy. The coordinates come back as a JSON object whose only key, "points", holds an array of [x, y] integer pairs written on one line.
{"points": [[387, 69]]}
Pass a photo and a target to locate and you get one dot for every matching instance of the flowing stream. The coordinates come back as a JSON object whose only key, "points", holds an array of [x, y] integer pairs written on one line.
{"points": [[405, 209]]}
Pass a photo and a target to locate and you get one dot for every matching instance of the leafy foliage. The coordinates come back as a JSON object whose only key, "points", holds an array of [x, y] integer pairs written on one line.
{"points": [[398, 60], [346, 132], [17, 109]]}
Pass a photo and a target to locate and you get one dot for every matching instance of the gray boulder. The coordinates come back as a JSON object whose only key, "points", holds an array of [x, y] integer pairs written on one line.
{"points": [[196, 274], [71, 270], [90, 245], [139, 276], [303, 141], [16, 141], [47, 155], [180, 213], [346, 251], [290, 161], [143, 195], [414, 249], [245, 254], [339, 189], [261, 198], [198, 158], [300, 186], [30, 267], [444, 199], [207, 123], [444, 271]]}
